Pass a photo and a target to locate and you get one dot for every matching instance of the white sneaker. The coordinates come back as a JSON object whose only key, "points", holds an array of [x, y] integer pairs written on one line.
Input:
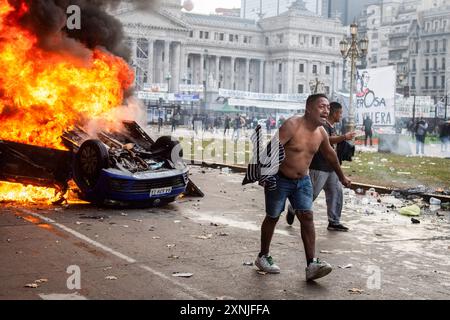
{"points": [[317, 269], [266, 264]]}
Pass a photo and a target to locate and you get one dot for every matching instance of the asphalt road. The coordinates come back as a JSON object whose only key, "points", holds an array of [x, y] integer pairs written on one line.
{"points": [[135, 253]]}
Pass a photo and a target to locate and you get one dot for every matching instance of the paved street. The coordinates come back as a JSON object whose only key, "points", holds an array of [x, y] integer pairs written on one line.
{"points": [[134, 253]]}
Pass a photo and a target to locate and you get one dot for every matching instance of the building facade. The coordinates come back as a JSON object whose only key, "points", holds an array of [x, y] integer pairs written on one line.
{"points": [[257, 9], [429, 53], [281, 54], [411, 35]]}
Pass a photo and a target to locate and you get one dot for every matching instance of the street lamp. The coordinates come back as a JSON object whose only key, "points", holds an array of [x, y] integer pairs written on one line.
{"points": [[168, 78], [353, 51]]}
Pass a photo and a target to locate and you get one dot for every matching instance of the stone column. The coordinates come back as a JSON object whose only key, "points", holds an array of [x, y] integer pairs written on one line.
{"points": [[232, 76], [261, 76], [202, 71], [183, 63], [289, 76], [166, 59], [308, 73], [217, 75], [247, 74], [150, 73], [176, 67]]}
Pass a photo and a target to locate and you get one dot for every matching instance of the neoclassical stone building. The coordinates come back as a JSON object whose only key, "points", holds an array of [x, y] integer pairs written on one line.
{"points": [[279, 54]]}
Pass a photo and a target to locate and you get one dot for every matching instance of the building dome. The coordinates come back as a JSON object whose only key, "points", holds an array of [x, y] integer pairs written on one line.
{"points": [[188, 5]]}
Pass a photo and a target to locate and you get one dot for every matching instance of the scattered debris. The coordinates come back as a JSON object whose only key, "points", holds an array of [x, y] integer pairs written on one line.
{"points": [[248, 264], [182, 274], [41, 281], [413, 210], [204, 237], [261, 272], [156, 237], [347, 266], [355, 291], [125, 226], [170, 245], [31, 285], [8, 240], [78, 222], [413, 220], [111, 278], [434, 201]]}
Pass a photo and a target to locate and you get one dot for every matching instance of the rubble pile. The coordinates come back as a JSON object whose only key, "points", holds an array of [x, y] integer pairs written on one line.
{"points": [[371, 202]]}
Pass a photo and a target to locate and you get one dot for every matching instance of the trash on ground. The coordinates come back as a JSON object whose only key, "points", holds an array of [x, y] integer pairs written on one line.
{"points": [[170, 245], [261, 272], [204, 237], [31, 285], [182, 274], [434, 201], [248, 263], [41, 281], [346, 266], [415, 220], [413, 210], [355, 291], [111, 278], [156, 237]]}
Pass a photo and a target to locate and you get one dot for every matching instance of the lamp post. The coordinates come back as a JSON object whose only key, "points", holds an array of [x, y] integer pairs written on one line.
{"points": [[168, 78], [353, 50]]}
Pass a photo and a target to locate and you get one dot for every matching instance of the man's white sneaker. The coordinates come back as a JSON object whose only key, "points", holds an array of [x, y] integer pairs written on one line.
{"points": [[266, 264], [317, 269]]}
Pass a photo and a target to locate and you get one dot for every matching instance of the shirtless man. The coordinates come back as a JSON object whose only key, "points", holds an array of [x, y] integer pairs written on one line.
{"points": [[301, 137]]}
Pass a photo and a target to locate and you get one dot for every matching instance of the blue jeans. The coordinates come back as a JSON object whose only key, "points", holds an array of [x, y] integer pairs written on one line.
{"points": [[298, 191]]}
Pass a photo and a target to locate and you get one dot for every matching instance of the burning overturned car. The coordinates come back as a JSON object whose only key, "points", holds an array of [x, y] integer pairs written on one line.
{"points": [[125, 166], [55, 82]]}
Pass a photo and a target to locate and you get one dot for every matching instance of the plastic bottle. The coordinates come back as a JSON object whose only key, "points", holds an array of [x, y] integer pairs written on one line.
{"points": [[434, 201]]}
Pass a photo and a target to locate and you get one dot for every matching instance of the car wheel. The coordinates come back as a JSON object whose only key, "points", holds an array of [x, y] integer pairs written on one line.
{"points": [[164, 145], [90, 159]]}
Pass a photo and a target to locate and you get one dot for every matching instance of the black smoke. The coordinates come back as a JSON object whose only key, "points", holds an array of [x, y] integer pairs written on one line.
{"points": [[47, 20]]}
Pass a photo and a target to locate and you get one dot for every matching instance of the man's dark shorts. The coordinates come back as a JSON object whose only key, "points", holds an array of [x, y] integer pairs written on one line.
{"points": [[298, 191]]}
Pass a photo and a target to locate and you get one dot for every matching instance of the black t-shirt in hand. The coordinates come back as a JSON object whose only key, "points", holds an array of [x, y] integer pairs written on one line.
{"points": [[319, 162]]}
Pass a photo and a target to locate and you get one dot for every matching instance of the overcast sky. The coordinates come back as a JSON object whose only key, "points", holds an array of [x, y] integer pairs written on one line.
{"points": [[208, 6]]}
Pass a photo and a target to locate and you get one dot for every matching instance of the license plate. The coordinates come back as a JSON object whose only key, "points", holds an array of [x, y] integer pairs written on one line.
{"points": [[160, 191]]}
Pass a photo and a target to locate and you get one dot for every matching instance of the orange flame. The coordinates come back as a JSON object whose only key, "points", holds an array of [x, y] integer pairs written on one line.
{"points": [[43, 93]]}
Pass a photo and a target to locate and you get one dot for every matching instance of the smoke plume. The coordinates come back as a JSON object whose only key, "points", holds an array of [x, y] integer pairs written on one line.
{"points": [[47, 20]]}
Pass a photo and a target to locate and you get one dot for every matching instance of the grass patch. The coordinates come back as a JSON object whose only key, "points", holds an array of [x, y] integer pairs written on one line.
{"points": [[382, 169], [397, 171]]}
